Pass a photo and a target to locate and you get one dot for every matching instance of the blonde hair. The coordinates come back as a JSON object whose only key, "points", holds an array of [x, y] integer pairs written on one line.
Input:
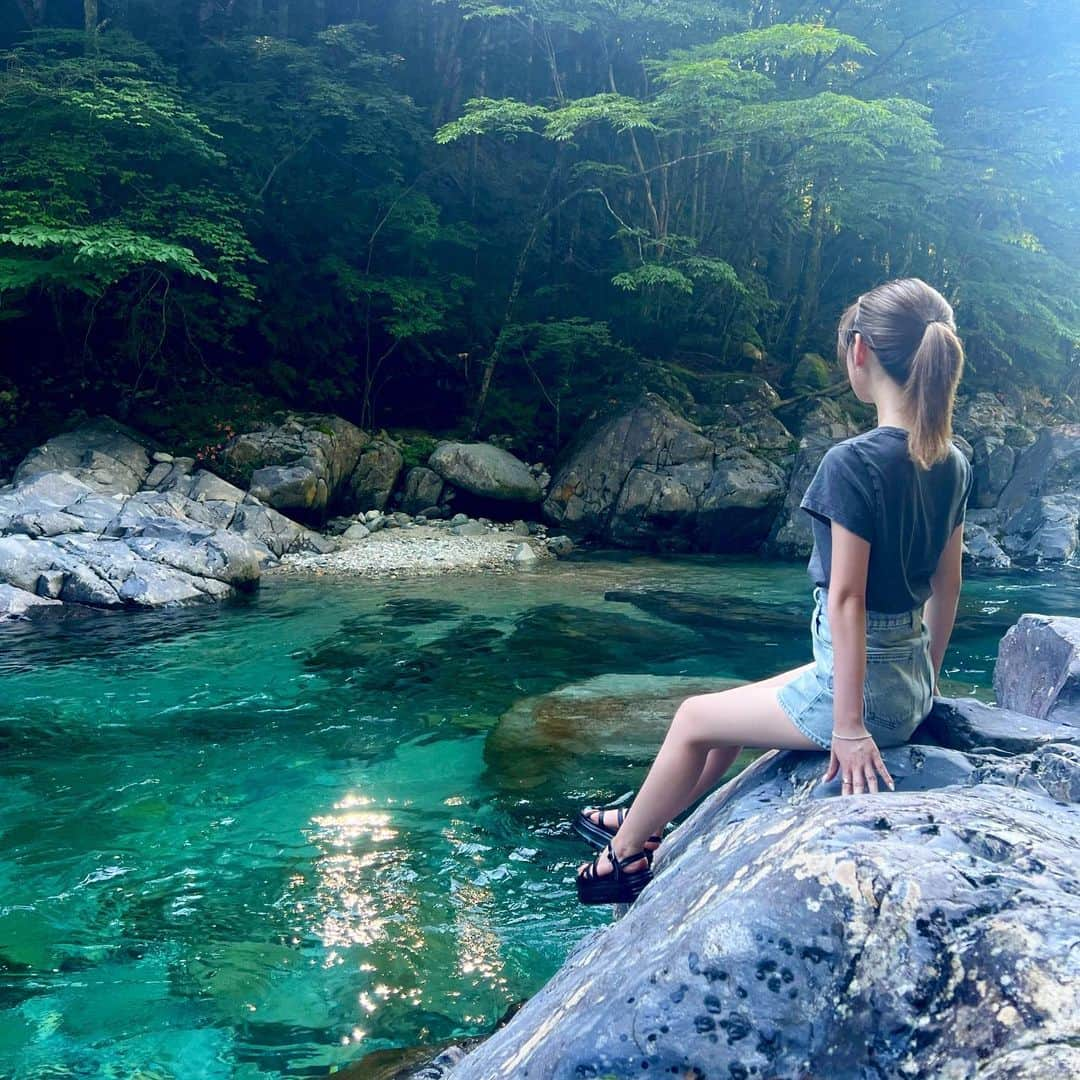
{"points": [[911, 329]]}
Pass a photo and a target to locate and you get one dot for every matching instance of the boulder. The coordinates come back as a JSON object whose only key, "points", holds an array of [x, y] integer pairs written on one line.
{"points": [[560, 546], [967, 724], [982, 549], [82, 535], [486, 471], [375, 476], [649, 478], [1044, 529], [922, 932], [423, 489], [1050, 466], [17, 603], [1038, 669], [993, 464], [301, 465], [790, 536], [101, 453]]}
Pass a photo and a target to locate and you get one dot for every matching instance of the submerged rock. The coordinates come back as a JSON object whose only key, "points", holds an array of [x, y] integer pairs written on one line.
{"points": [[622, 716]]}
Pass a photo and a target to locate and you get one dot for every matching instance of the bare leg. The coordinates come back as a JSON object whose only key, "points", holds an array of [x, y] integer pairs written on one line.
{"points": [[744, 716], [717, 761]]}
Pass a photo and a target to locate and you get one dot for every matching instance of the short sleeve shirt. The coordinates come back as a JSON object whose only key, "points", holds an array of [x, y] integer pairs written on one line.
{"points": [[871, 486]]}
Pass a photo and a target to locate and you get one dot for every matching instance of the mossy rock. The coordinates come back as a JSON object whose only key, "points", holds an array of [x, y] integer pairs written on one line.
{"points": [[813, 372]]}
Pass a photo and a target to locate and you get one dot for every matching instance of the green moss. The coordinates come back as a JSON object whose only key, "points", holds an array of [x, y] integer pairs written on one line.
{"points": [[415, 446]]}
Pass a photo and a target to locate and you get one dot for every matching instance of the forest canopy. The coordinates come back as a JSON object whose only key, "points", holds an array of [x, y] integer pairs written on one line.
{"points": [[501, 218]]}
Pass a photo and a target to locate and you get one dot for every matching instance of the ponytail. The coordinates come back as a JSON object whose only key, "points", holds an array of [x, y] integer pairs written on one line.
{"points": [[930, 388], [911, 330]]}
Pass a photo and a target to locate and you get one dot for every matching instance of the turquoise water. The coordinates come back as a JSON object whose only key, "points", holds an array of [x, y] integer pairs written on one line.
{"points": [[268, 838]]}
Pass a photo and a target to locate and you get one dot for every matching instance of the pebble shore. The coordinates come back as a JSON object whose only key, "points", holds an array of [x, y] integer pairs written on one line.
{"points": [[423, 550]]}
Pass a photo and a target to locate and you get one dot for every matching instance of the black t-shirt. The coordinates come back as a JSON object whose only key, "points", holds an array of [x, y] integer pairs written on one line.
{"points": [[871, 487]]}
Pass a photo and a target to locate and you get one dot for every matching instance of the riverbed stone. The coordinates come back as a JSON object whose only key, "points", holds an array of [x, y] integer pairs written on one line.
{"points": [[790, 932], [1038, 668], [544, 739], [486, 471]]}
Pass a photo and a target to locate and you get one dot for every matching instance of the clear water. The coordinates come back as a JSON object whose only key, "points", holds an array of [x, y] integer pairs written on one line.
{"points": [[265, 839]]}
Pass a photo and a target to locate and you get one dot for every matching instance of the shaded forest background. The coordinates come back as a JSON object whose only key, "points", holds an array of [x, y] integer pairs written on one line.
{"points": [[502, 219]]}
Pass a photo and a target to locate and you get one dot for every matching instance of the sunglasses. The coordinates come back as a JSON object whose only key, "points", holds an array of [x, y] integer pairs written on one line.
{"points": [[848, 337]]}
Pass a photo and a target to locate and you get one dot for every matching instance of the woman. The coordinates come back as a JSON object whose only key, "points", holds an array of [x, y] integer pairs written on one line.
{"points": [[887, 510]]}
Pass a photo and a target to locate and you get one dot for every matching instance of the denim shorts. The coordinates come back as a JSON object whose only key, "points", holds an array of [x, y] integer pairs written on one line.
{"points": [[899, 685]]}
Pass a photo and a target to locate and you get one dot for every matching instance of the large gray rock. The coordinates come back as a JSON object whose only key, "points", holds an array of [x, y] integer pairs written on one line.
{"points": [[17, 603], [1050, 466], [981, 548], [301, 465], [1046, 528], [790, 536], [1038, 668], [925, 932], [648, 478], [100, 453], [994, 461], [968, 724], [84, 537], [486, 471], [423, 489], [375, 476]]}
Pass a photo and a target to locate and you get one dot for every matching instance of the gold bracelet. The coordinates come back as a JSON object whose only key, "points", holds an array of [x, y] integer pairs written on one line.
{"points": [[852, 738]]}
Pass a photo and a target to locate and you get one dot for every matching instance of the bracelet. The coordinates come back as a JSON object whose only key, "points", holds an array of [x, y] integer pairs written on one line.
{"points": [[852, 738]]}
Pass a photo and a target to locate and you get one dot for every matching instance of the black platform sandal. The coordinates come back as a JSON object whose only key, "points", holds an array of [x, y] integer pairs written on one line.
{"points": [[618, 887], [599, 836]]}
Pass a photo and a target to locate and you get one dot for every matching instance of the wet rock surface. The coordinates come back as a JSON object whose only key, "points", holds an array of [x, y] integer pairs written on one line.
{"points": [[920, 933]]}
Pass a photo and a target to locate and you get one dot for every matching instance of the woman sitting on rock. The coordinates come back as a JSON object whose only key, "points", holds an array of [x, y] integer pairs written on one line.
{"points": [[887, 510]]}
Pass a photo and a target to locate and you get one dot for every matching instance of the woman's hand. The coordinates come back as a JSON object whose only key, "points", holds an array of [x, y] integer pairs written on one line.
{"points": [[858, 761]]}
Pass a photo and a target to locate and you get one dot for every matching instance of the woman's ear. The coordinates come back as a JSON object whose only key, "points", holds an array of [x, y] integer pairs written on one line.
{"points": [[860, 354]]}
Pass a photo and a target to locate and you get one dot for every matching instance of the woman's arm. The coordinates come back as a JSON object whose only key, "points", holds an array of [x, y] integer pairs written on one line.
{"points": [[856, 757], [847, 622], [940, 610]]}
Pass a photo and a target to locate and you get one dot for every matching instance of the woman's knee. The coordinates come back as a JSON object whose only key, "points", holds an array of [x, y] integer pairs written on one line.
{"points": [[689, 722]]}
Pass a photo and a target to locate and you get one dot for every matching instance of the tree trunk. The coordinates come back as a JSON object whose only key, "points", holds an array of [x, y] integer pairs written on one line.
{"points": [[810, 279], [90, 16], [283, 19]]}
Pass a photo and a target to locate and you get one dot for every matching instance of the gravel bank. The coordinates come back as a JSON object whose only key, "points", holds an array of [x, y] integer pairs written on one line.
{"points": [[420, 551]]}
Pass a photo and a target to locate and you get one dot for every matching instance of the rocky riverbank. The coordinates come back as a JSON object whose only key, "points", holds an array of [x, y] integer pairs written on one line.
{"points": [[923, 933], [101, 516]]}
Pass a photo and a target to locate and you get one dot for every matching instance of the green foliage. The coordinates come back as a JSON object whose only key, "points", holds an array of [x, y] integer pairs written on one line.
{"points": [[89, 258]]}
